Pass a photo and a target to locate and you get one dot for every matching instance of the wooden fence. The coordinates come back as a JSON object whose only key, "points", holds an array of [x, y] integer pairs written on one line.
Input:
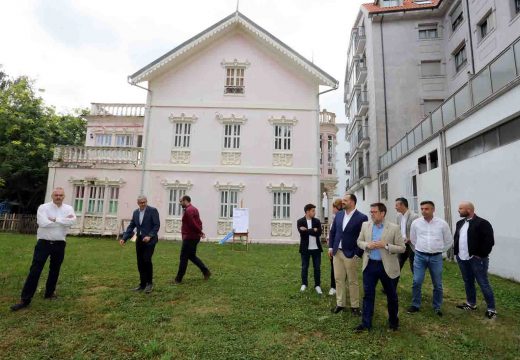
{"points": [[20, 223]]}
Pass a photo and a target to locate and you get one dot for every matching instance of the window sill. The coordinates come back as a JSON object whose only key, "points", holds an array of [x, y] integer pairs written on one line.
{"points": [[482, 40], [453, 32], [459, 71], [234, 95], [432, 39], [514, 18], [432, 77]]}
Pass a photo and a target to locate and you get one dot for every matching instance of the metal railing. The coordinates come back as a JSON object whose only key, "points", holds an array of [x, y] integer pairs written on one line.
{"points": [[97, 154], [101, 109], [495, 76]]}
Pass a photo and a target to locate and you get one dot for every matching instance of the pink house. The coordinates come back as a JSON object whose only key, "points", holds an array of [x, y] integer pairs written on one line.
{"points": [[232, 118]]}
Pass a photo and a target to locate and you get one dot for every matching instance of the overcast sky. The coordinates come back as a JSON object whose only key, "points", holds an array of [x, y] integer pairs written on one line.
{"points": [[82, 51]]}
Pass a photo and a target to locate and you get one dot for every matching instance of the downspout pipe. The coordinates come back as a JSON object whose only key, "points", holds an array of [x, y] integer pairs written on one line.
{"points": [[319, 200], [146, 132], [384, 81], [470, 40]]}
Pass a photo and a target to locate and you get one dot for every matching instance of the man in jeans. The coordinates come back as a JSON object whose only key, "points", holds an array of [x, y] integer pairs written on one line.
{"points": [[191, 231], [473, 243], [431, 237], [310, 246]]}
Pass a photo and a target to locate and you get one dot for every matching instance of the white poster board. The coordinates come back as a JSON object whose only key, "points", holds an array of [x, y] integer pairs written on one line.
{"points": [[240, 220]]}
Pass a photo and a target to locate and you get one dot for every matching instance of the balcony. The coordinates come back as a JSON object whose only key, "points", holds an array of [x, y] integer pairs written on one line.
{"points": [[360, 72], [101, 109], [359, 40], [362, 137], [90, 156], [362, 103], [327, 117]]}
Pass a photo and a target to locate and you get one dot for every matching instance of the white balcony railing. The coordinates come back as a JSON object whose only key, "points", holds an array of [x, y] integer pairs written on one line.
{"points": [[99, 109], [327, 117], [97, 154]]}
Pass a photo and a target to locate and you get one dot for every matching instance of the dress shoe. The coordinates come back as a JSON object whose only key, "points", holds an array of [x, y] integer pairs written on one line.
{"points": [[19, 306], [52, 296], [412, 309], [337, 309], [148, 289], [176, 282], [355, 311], [394, 327], [438, 312], [139, 288], [360, 328], [207, 275]]}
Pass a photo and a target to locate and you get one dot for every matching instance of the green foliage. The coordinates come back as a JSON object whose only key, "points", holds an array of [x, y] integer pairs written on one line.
{"points": [[251, 308], [29, 130]]}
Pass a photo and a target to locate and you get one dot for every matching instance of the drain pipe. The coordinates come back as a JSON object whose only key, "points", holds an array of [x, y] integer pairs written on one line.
{"points": [[445, 183], [319, 202], [146, 125], [470, 39], [384, 81]]}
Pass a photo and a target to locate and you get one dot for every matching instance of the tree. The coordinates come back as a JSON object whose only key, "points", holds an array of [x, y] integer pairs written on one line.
{"points": [[29, 130]]}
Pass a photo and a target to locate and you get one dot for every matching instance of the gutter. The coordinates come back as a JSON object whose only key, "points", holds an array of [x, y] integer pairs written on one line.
{"points": [[146, 134], [470, 39], [384, 81]]}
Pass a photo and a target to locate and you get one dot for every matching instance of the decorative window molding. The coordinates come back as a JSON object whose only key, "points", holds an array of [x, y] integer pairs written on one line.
{"points": [[281, 187], [282, 121], [96, 181], [281, 228], [235, 63], [224, 227], [232, 119], [282, 159], [231, 158], [229, 186], [180, 156], [182, 118], [170, 184], [173, 226]]}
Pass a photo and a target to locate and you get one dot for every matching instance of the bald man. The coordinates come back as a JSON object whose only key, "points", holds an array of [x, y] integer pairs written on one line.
{"points": [[54, 220], [473, 243]]}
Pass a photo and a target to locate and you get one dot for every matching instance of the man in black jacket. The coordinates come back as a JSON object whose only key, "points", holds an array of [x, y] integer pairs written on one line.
{"points": [[310, 231], [145, 220], [473, 243]]}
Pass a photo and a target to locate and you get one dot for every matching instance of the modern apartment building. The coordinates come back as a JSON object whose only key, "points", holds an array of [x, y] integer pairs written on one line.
{"points": [[405, 58]]}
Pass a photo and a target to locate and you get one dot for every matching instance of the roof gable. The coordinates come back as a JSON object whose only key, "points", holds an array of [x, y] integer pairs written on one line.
{"points": [[223, 26]]}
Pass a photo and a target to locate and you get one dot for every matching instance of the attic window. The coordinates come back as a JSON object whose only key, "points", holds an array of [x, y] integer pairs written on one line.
{"points": [[235, 72]]}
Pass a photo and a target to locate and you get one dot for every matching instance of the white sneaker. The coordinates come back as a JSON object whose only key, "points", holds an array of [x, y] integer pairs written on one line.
{"points": [[318, 290], [303, 288], [332, 292]]}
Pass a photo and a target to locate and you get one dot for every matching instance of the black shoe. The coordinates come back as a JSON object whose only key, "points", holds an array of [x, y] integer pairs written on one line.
{"points": [[207, 275], [360, 328], [412, 309], [176, 282], [355, 311], [466, 306], [393, 327], [438, 312], [337, 309], [52, 296], [148, 289], [139, 288], [19, 306], [491, 314]]}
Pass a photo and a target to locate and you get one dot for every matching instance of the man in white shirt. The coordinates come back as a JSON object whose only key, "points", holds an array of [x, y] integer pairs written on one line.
{"points": [[310, 246], [54, 220], [431, 236]]}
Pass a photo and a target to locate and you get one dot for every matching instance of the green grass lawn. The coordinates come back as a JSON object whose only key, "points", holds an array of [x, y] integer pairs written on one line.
{"points": [[251, 308]]}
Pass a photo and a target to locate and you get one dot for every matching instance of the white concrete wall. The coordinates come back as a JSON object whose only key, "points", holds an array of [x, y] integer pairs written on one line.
{"points": [[342, 147]]}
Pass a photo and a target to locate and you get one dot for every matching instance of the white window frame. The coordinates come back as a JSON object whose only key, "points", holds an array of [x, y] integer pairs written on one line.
{"points": [[113, 200], [282, 137], [96, 199], [182, 130], [232, 136], [228, 202], [124, 140], [281, 205], [103, 140], [174, 198], [428, 31], [78, 198]]}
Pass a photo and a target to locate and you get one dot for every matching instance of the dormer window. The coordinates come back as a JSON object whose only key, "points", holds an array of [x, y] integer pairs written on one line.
{"points": [[235, 74]]}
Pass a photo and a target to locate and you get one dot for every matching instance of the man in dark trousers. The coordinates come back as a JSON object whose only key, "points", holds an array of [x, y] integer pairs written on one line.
{"points": [[474, 240], [310, 246], [145, 220], [191, 231], [346, 254], [54, 220]]}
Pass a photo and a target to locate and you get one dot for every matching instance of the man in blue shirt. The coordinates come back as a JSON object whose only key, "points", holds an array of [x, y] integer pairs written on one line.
{"points": [[382, 241]]}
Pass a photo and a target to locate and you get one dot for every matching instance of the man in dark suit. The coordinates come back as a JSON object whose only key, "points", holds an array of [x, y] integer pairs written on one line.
{"points": [[473, 241], [343, 237], [145, 220], [310, 246]]}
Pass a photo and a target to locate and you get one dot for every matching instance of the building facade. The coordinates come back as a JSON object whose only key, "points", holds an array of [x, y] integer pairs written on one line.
{"points": [[404, 59], [463, 147], [231, 118]]}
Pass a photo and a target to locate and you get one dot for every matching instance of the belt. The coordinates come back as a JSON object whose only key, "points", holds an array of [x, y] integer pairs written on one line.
{"points": [[429, 254], [52, 242]]}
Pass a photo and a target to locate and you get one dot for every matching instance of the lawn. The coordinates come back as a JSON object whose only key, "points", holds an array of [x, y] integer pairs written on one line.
{"points": [[251, 308]]}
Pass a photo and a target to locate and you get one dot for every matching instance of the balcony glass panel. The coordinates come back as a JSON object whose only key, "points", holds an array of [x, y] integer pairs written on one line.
{"points": [[417, 134], [411, 140], [426, 128], [448, 111], [503, 70], [481, 86], [462, 101], [436, 120]]}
